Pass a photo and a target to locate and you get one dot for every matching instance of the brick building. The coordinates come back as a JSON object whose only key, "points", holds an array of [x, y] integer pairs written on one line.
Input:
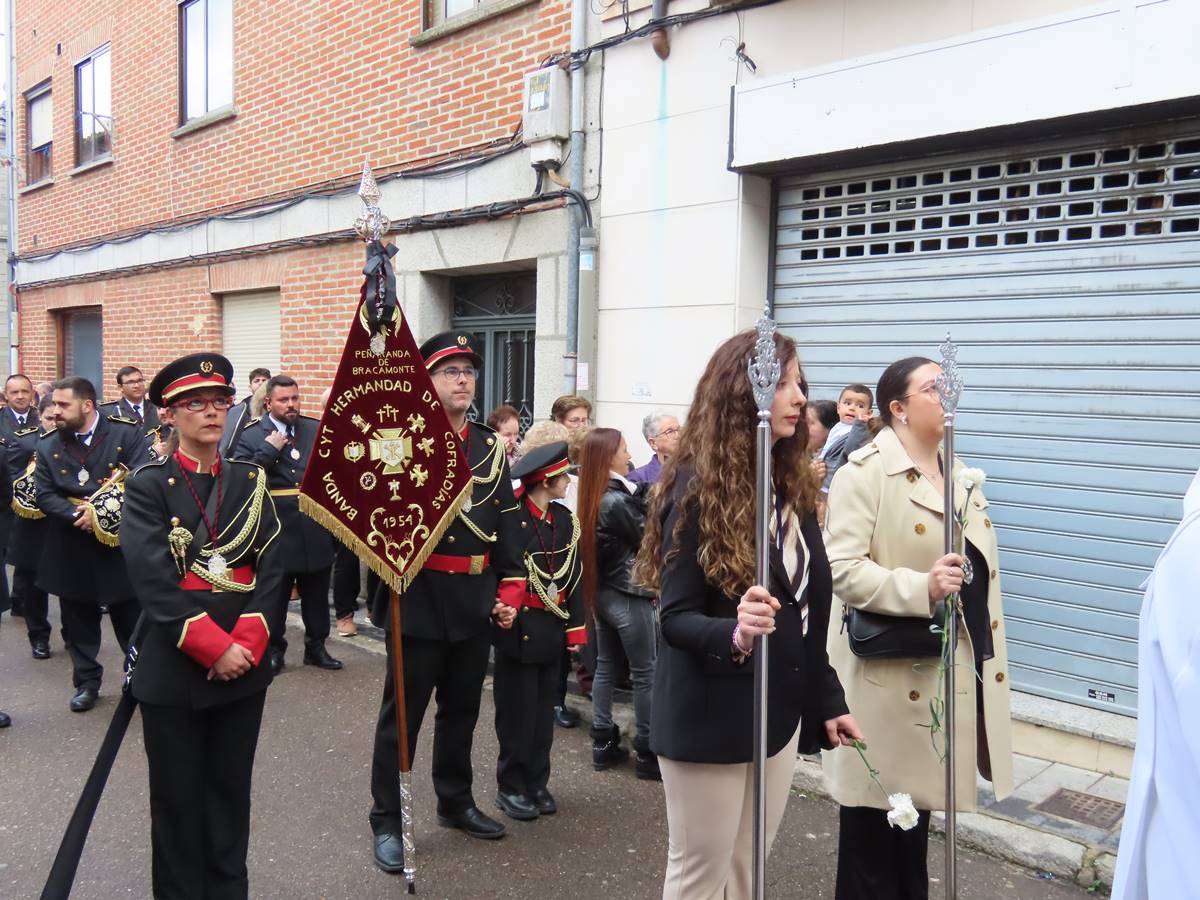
{"points": [[187, 170]]}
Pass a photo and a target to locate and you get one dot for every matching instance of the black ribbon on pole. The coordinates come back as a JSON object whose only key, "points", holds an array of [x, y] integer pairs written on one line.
{"points": [[379, 286]]}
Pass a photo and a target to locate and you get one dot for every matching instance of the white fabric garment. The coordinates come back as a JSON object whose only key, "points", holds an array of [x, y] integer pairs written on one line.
{"points": [[836, 433], [1162, 814]]}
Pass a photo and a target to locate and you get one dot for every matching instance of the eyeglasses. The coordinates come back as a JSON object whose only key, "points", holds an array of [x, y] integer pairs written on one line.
{"points": [[133, 381], [667, 432], [930, 389], [453, 373], [200, 404]]}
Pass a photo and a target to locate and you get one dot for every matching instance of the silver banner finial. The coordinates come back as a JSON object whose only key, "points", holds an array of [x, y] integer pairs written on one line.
{"points": [[372, 224], [763, 368], [950, 383]]}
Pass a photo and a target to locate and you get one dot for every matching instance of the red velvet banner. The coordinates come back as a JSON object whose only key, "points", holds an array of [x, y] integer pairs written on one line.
{"points": [[387, 473]]}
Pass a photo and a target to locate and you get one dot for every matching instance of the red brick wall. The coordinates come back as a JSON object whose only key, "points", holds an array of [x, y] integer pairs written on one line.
{"points": [[317, 85], [150, 319]]}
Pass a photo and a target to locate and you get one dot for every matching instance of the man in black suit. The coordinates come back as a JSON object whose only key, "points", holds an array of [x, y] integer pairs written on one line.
{"points": [[18, 414], [84, 450], [19, 428], [446, 618], [282, 442], [134, 405], [240, 414]]}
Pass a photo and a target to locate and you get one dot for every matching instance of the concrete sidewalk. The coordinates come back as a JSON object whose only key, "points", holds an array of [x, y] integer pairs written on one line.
{"points": [[1038, 827]]}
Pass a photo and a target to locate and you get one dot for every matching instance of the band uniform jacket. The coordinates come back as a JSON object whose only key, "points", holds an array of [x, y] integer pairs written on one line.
{"points": [[149, 420], [191, 622], [73, 562], [306, 545], [703, 701], [239, 416], [9, 426], [25, 538], [549, 547], [457, 606]]}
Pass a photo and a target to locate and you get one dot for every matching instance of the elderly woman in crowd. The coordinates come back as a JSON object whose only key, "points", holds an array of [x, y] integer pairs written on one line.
{"points": [[884, 535]]}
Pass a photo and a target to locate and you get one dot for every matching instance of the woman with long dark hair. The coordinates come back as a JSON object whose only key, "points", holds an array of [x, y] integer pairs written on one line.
{"points": [[885, 539], [612, 518], [699, 553]]}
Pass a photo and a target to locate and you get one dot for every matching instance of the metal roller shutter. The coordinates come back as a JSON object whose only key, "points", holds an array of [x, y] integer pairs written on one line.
{"points": [[250, 333], [1069, 275]]}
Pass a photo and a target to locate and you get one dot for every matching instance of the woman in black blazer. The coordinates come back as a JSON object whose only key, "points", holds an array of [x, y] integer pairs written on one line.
{"points": [[699, 553]]}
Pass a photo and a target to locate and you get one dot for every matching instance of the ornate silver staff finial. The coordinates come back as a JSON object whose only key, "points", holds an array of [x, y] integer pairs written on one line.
{"points": [[372, 224], [763, 367], [949, 384]]}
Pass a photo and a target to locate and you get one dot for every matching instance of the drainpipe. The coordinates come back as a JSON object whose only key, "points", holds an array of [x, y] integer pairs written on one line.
{"points": [[10, 154], [658, 39], [579, 9]]}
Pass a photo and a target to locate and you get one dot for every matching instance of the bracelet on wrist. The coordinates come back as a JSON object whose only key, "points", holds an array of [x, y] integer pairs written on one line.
{"points": [[738, 654]]}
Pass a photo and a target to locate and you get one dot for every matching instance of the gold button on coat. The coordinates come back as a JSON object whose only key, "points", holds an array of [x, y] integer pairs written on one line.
{"points": [[995, 624], [914, 695], [919, 528], [987, 523], [999, 676], [912, 476]]}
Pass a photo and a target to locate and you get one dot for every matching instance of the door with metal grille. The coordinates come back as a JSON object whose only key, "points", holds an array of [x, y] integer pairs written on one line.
{"points": [[499, 311], [1069, 274]]}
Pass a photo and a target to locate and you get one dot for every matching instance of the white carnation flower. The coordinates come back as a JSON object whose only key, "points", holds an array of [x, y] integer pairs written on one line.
{"points": [[970, 479], [903, 814]]}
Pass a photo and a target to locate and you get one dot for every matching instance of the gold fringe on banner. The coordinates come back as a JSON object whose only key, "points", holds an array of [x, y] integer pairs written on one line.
{"points": [[364, 551]]}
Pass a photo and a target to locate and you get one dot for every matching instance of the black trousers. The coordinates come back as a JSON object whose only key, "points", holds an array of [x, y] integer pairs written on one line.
{"points": [[525, 695], [455, 671], [879, 862], [346, 583], [35, 602], [314, 608], [200, 767], [81, 620]]}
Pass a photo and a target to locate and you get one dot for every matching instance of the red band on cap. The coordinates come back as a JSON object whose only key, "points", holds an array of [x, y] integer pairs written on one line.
{"points": [[193, 382], [547, 473], [448, 352]]}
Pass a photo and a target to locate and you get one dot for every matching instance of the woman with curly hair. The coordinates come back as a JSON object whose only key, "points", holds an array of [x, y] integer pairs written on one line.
{"points": [[699, 554]]}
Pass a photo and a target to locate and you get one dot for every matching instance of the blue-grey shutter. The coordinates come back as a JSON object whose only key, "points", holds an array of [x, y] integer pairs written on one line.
{"points": [[1069, 275]]}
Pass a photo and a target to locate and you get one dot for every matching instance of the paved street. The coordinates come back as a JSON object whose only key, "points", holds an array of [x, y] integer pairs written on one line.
{"points": [[310, 837]]}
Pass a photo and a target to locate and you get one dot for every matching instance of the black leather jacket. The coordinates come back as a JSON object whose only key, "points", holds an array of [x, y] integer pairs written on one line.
{"points": [[620, 523]]}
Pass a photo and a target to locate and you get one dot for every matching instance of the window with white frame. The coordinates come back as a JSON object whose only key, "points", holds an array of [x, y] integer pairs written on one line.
{"points": [[93, 107], [438, 11], [39, 131], [206, 57]]}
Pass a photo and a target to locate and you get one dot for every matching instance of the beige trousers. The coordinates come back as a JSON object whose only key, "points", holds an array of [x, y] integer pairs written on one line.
{"points": [[710, 818]]}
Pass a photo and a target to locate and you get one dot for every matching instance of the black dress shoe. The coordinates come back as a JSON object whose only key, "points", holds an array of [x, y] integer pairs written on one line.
{"points": [[276, 662], [5, 720], [389, 852], [517, 806], [544, 801], [565, 717], [319, 657], [84, 699], [474, 823], [41, 650]]}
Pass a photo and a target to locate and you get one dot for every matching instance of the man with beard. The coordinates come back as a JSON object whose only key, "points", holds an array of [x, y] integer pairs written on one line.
{"points": [[446, 618], [19, 427], [282, 442], [73, 461]]}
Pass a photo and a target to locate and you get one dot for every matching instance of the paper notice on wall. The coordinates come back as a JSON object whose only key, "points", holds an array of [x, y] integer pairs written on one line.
{"points": [[587, 260], [582, 377], [642, 391]]}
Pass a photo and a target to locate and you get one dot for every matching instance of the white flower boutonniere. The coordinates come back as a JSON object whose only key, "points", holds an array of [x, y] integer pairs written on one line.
{"points": [[971, 479], [903, 814]]}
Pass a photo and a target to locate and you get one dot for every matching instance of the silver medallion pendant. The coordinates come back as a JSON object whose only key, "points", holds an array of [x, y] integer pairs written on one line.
{"points": [[217, 567], [84, 477], [968, 570], [295, 454], [552, 592], [378, 343]]}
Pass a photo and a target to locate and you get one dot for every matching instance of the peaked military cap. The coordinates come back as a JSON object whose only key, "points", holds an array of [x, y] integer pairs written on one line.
{"points": [[448, 344], [542, 463], [190, 373]]}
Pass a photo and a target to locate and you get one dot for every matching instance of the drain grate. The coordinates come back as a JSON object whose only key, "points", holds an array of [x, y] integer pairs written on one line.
{"points": [[1086, 808]]}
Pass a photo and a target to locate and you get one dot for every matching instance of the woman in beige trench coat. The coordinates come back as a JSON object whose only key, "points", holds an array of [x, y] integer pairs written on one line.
{"points": [[884, 535]]}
